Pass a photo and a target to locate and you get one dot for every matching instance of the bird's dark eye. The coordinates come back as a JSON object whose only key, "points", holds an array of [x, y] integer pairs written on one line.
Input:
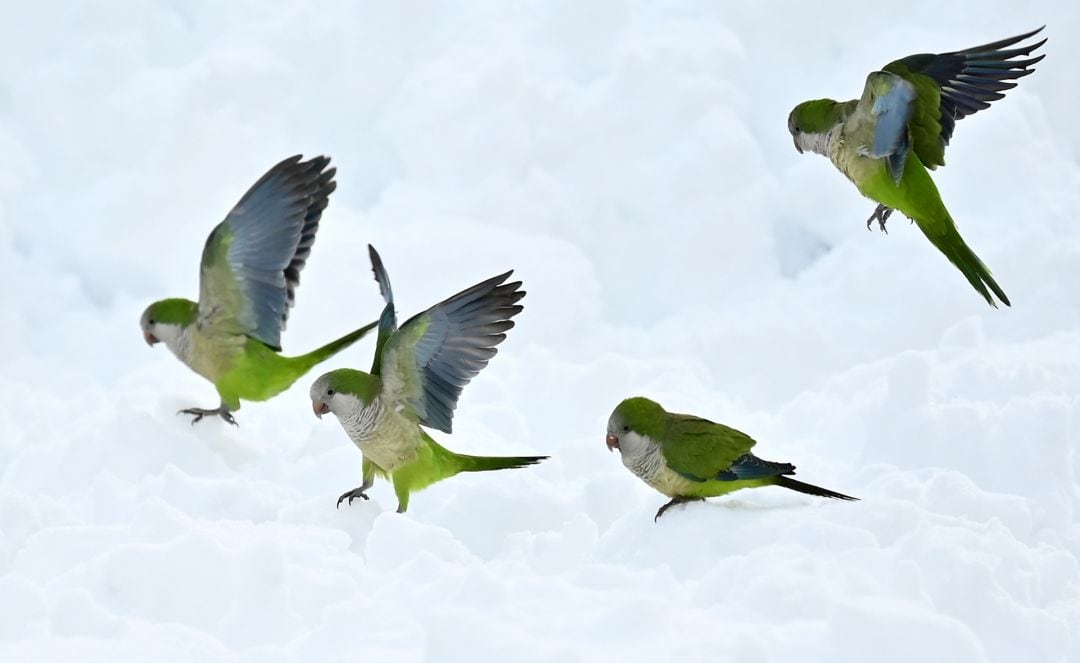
{"points": [[626, 429], [151, 321], [329, 392]]}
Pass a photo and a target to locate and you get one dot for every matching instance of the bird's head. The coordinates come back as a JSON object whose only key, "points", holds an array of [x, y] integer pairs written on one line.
{"points": [[812, 119], [634, 424], [343, 392], [163, 320]]}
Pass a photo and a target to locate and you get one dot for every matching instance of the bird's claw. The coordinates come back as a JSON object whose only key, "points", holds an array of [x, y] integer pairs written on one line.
{"points": [[198, 413], [881, 215], [352, 495], [673, 502]]}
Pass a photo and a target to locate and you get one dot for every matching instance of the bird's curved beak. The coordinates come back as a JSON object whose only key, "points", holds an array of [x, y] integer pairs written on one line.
{"points": [[319, 408], [612, 442], [149, 338], [798, 147]]}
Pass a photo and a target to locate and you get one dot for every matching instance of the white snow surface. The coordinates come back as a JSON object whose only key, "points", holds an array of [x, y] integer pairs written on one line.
{"points": [[630, 161]]}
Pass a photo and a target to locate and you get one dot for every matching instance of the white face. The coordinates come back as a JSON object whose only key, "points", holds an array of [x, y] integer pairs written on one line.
{"points": [[166, 333], [160, 332], [341, 405], [629, 443], [632, 445]]}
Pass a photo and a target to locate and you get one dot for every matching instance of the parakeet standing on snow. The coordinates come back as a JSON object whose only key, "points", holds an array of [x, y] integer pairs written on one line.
{"points": [[886, 140], [689, 458], [416, 378], [247, 283]]}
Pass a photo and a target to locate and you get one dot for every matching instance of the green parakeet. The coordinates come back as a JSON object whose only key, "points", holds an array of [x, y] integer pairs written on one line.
{"points": [[887, 140], [689, 458], [416, 378], [247, 283]]}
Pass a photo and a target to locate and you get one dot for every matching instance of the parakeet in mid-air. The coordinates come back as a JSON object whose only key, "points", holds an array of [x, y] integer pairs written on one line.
{"points": [[247, 282], [689, 458], [416, 378], [886, 140]]}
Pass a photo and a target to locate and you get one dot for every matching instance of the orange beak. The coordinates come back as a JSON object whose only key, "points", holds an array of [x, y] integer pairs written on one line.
{"points": [[612, 442], [319, 408], [149, 338]]}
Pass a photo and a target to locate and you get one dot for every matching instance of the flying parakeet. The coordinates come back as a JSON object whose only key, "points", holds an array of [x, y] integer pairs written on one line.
{"points": [[247, 283], [689, 458], [416, 378], [886, 140]]}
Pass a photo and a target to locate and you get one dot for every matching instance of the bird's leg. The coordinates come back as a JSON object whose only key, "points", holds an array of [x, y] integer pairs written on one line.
{"points": [[881, 214], [401, 489], [359, 491], [221, 411], [673, 502]]}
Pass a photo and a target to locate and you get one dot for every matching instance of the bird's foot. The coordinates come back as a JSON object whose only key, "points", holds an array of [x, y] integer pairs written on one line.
{"points": [[881, 215], [673, 502], [198, 413], [355, 493]]}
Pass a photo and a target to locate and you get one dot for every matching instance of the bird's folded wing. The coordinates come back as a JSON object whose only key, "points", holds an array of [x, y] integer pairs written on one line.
{"points": [[702, 450]]}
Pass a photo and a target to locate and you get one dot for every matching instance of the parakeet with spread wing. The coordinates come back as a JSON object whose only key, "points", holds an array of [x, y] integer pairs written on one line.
{"points": [[689, 458], [247, 283], [886, 141], [415, 380]]}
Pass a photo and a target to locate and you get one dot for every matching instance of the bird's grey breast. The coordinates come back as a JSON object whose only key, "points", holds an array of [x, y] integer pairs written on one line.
{"points": [[361, 424], [645, 461]]}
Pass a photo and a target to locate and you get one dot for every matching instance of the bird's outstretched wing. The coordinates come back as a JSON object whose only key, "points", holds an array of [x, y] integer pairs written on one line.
{"points": [[953, 85], [702, 450], [252, 260], [425, 364]]}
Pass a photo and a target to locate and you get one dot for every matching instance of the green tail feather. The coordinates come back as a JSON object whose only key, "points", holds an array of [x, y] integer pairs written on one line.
{"points": [[973, 269], [320, 355], [487, 463], [810, 489]]}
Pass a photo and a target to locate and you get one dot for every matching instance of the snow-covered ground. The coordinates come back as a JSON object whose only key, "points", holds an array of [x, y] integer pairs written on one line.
{"points": [[631, 161]]}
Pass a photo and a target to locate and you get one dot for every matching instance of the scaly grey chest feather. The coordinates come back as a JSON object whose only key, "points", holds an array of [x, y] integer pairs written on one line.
{"points": [[650, 467], [385, 436]]}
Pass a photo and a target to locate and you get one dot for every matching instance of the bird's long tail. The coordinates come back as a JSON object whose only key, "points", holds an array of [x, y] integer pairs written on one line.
{"points": [[810, 489], [973, 269], [320, 355], [488, 463]]}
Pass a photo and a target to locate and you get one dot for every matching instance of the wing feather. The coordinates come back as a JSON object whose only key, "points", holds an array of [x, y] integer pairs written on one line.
{"points": [[960, 83], [252, 260], [426, 363], [702, 450]]}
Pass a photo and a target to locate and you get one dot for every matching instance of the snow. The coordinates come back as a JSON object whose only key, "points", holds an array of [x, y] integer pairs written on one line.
{"points": [[631, 161]]}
